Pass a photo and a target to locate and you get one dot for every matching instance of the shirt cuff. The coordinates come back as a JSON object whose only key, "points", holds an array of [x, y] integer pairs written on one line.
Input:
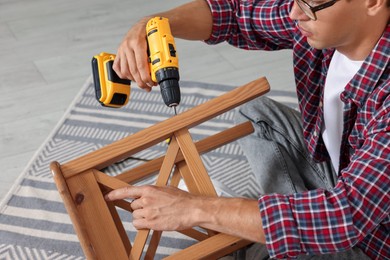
{"points": [[280, 227]]}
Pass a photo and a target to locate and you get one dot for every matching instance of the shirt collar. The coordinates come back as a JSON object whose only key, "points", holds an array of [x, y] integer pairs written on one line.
{"points": [[366, 79]]}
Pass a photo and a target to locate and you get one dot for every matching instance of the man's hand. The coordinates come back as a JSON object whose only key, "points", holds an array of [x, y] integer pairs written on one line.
{"points": [[159, 208], [131, 60], [168, 208], [192, 21]]}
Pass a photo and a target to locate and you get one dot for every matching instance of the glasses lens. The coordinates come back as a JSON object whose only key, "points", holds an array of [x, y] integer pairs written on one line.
{"points": [[306, 9]]}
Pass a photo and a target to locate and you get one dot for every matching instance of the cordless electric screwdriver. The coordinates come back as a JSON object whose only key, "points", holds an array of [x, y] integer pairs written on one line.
{"points": [[112, 91], [163, 60]]}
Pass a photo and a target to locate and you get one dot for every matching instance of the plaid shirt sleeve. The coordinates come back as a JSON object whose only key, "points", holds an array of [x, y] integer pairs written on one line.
{"points": [[248, 25]]}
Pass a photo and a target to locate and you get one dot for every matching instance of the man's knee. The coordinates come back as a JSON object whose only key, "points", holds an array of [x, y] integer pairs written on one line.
{"points": [[255, 110], [265, 111]]}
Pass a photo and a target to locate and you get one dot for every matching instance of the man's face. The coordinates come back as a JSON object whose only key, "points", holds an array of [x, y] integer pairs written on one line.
{"points": [[338, 26]]}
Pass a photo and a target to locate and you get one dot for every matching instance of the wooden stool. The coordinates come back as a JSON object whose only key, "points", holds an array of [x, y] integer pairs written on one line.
{"points": [[97, 224]]}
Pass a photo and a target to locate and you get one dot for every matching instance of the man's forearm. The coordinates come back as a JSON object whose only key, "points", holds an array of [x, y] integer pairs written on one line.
{"points": [[234, 216], [191, 21]]}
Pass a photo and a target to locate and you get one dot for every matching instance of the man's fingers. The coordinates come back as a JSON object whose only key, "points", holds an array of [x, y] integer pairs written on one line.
{"points": [[143, 67], [123, 193], [141, 223], [140, 71], [136, 204], [132, 63]]}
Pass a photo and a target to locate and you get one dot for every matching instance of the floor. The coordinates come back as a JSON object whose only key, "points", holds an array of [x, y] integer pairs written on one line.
{"points": [[46, 47]]}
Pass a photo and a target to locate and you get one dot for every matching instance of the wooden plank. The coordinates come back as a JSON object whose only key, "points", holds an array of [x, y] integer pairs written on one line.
{"points": [[141, 140], [176, 177], [108, 181], [139, 244], [204, 249], [195, 234], [153, 244], [111, 183], [77, 220], [119, 226], [168, 163], [162, 180], [105, 239], [194, 163], [228, 250], [203, 146], [188, 178]]}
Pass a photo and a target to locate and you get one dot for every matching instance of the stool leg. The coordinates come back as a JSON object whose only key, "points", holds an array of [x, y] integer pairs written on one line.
{"points": [[194, 163]]}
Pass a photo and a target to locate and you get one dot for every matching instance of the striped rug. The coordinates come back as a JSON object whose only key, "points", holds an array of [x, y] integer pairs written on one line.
{"points": [[33, 221]]}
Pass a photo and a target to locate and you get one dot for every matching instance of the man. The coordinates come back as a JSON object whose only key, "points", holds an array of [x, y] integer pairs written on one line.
{"points": [[325, 173]]}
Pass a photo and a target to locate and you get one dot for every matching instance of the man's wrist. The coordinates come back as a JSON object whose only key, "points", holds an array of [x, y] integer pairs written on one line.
{"points": [[202, 209]]}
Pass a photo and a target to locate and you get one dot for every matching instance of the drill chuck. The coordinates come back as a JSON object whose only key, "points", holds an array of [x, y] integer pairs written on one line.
{"points": [[168, 79], [170, 92]]}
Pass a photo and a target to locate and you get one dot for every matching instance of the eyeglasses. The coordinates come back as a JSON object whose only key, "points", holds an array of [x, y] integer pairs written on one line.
{"points": [[310, 11]]}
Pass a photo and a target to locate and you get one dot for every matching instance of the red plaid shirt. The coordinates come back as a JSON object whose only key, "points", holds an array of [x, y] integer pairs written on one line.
{"points": [[356, 211]]}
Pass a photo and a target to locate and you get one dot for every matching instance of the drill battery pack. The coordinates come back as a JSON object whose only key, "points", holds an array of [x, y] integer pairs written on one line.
{"points": [[110, 90]]}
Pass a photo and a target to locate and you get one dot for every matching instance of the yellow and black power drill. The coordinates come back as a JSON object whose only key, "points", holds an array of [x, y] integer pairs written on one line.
{"points": [[164, 68]]}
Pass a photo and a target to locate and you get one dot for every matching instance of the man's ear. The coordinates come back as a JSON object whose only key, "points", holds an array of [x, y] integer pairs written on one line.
{"points": [[375, 6]]}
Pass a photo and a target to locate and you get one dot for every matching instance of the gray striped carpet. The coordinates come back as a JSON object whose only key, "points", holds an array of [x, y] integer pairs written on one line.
{"points": [[33, 220]]}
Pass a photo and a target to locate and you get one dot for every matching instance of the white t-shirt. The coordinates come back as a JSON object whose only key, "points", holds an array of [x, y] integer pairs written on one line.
{"points": [[341, 71]]}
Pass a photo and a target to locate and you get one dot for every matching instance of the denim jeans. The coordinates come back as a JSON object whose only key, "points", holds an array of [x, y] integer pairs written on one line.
{"points": [[281, 162]]}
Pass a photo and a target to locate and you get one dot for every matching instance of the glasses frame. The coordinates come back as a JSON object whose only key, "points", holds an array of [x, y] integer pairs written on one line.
{"points": [[311, 12]]}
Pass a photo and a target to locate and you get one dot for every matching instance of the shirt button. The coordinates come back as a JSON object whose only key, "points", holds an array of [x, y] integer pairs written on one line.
{"points": [[320, 104], [315, 133]]}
